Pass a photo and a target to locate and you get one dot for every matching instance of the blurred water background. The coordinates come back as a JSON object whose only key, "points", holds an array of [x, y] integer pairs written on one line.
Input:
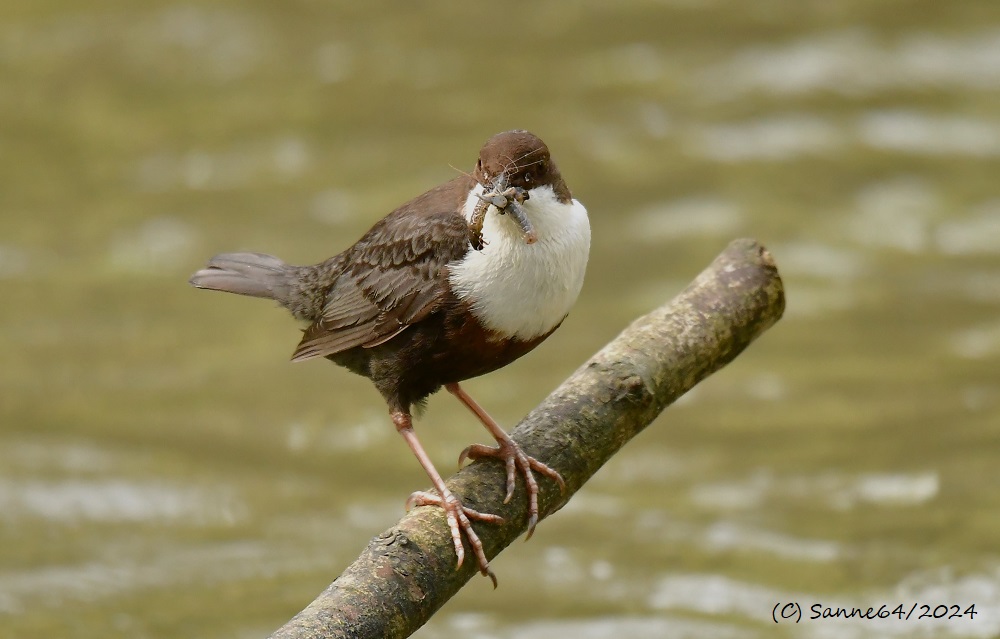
{"points": [[165, 472]]}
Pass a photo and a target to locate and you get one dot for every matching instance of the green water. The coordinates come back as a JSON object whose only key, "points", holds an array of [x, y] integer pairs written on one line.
{"points": [[165, 472]]}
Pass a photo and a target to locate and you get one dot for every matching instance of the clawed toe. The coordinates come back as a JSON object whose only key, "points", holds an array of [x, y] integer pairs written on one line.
{"points": [[459, 520], [515, 459]]}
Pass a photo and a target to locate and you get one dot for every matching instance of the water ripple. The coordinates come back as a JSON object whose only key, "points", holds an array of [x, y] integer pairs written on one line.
{"points": [[115, 501], [857, 62], [696, 216]]}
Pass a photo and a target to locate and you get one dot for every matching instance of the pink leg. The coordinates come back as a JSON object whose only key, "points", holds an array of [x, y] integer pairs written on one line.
{"points": [[457, 515], [512, 455]]}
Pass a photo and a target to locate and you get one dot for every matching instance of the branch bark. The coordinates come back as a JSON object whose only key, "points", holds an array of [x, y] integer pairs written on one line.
{"points": [[408, 572]]}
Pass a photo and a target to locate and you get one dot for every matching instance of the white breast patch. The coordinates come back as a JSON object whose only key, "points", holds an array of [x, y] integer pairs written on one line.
{"points": [[519, 289]]}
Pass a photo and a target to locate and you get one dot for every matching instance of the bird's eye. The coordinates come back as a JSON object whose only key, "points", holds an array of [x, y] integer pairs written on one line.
{"points": [[527, 177]]}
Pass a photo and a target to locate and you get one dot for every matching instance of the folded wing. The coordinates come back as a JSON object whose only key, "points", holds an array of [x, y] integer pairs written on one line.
{"points": [[394, 280]]}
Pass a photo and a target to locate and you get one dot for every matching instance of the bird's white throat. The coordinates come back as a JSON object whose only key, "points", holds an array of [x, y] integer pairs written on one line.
{"points": [[524, 290]]}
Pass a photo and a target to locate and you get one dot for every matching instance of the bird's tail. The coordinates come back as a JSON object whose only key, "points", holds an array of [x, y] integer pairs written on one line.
{"points": [[253, 274]]}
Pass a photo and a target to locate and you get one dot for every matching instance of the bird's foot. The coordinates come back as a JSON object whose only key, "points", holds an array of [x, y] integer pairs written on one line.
{"points": [[459, 521], [516, 460]]}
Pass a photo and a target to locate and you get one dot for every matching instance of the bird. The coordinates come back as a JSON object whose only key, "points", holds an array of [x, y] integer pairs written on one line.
{"points": [[456, 283]]}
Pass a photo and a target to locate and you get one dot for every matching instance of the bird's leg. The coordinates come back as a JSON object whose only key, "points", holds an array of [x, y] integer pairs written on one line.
{"points": [[458, 516], [513, 456]]}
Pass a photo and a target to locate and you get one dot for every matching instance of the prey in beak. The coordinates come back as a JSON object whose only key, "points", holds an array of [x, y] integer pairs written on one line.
{"points": [[505, 199]]}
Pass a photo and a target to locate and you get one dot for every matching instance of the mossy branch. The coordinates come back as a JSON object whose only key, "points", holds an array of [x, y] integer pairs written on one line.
{"points": [[408, 572]]}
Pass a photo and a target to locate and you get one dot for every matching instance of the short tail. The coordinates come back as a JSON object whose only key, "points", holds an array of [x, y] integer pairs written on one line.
{"points": [[253, 274]]}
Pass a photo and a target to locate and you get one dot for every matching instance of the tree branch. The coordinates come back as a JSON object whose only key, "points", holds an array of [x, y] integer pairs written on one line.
{"points": [[408, 572]]}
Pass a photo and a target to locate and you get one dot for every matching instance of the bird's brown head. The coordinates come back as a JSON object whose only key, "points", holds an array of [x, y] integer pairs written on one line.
{"points": [[520, 159]]}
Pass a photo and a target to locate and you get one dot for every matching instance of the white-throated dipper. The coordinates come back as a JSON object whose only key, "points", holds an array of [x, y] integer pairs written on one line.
{"points": [[457, 282]]}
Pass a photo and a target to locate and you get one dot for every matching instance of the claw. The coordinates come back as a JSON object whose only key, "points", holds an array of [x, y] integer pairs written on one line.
{"points": [[532, 520], [511, 478], [462, 456]]}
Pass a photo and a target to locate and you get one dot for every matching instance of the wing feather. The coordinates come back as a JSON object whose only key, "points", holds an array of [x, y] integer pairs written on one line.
{"points": [[394, 278], [347, 306]]}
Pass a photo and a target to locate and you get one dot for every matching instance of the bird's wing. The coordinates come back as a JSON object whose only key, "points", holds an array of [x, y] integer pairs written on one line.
{"points": [[393, 279]]}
